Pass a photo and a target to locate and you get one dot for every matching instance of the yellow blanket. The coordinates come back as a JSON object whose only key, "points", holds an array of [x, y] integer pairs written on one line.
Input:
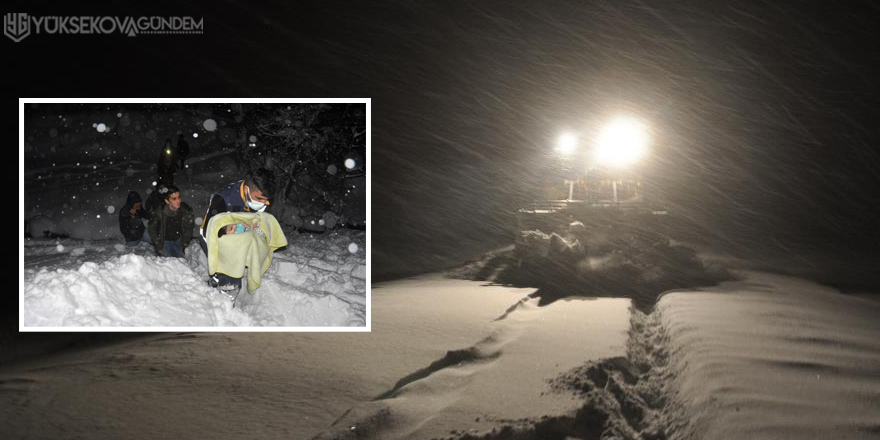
{"points": [[232, 252]]}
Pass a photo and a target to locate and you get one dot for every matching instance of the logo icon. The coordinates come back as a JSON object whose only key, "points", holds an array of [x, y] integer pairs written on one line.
{"points": [[16, 26]]}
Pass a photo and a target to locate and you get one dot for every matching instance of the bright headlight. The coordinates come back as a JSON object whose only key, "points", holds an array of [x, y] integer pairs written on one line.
{"points": [[621, 143]]}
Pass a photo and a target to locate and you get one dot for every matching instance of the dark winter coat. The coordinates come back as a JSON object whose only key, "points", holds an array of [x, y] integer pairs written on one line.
{"points": [[182, 150], [230, 198], [159, 222], [155, 199], [166, 167], [132, 225]]}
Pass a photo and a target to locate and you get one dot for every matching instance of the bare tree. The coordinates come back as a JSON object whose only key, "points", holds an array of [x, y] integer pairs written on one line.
{"points": [[306, 146]]}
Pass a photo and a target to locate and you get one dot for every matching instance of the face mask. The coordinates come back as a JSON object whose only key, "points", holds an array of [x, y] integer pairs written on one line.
{"points": [[256, 206], [239, 228]]}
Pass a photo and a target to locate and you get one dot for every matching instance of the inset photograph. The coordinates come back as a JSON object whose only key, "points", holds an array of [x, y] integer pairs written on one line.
{"points": [[195, 215]]}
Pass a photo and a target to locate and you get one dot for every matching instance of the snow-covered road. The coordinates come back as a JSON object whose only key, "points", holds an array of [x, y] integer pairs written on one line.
{"points": [[437, 359]]}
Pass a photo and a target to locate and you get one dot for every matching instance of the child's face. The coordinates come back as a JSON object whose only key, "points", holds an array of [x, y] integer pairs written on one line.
{"points": [[230, 229]]}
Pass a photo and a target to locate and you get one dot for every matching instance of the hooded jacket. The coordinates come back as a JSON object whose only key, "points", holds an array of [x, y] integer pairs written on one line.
{"points": [[132, 226]]}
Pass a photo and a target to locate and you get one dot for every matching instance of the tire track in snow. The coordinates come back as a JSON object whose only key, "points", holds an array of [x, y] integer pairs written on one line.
{"points": [[505, 361]]}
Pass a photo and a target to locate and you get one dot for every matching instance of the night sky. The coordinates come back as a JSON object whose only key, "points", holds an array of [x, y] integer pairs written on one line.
{"points": [[764, 113]]}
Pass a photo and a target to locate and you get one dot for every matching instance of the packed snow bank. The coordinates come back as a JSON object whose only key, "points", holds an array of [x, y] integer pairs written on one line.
{"points": [[317, 280], [773, 357]]}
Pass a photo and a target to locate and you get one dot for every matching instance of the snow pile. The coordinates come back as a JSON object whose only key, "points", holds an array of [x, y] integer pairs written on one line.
{"points": [[612, 260], [129, 290], [536, 244], [315, 281]]}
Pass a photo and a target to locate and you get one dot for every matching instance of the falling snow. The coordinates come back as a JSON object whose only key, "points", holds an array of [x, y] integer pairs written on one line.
{"points": [[762, 119]]}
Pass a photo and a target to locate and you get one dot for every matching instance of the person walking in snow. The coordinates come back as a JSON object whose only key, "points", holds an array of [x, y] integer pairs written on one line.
{"points": [[167, 165], [171, 225], [249, 195], [131, 221], [182, 150]]}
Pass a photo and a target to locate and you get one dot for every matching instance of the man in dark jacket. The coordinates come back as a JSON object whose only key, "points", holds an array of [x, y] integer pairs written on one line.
{"points": [[171, 225], [249, 195], [131, 217]]}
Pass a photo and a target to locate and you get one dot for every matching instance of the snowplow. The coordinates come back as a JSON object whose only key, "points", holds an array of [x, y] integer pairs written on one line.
{"points": [[608, 190], [599, 201]]}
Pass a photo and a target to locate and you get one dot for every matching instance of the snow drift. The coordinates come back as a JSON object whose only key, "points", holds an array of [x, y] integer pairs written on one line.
{"points": [[315, 281], [617, 260]]}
